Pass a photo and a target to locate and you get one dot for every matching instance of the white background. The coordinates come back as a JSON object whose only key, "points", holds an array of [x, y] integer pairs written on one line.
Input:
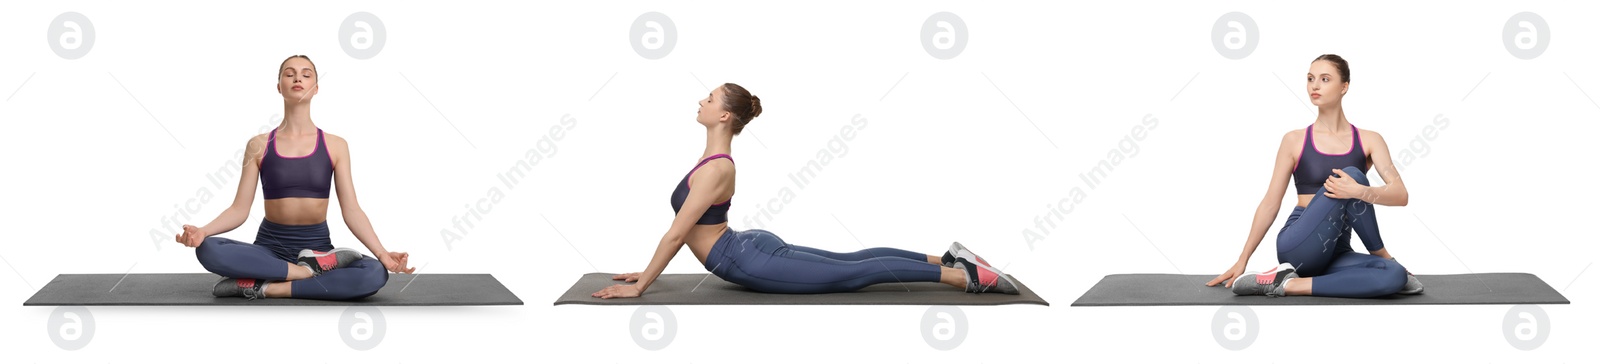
{"points": [[101, 150]]}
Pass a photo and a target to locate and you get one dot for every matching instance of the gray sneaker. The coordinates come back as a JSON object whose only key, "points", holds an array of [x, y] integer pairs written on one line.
{"points": [[1413, 286], [320, 262], [242, 287], [1269, 283], [982, 278], [958, 251]]}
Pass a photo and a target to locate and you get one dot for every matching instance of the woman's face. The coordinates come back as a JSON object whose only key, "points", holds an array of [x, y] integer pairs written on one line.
{"points": [[1324, 84], [297, 81], [711, 110]]}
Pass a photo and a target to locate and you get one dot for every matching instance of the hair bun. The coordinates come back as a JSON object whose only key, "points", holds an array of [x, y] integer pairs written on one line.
{"points": [[755, 107]]}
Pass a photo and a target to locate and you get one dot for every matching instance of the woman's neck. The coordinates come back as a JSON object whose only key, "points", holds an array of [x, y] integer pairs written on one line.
{"points": [[1331, 119], [296, 119], [719, 140]]}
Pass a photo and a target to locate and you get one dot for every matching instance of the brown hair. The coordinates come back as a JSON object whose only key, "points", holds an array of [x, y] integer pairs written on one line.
{"points": [[286, 61], [743, 105], [1338, 62]]}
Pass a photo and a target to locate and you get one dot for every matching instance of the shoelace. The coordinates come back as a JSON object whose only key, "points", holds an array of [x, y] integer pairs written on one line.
{"points": [[254, 291], [314, 271], [1273, 292], [974, 282]]}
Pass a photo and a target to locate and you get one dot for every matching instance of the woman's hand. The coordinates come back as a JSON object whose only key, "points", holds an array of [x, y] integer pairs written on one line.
{"points": [[627, 277], [1226, 278], [617, 291], [191, 236], [1341, 186], [397, 262]]}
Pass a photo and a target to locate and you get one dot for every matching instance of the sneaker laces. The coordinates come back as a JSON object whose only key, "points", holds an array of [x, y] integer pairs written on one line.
{"points": [[255, 290]]}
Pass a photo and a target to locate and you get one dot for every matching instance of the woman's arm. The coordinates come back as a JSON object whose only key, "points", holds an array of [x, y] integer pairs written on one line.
{"points": [[350, 208], [1391, 193], [711, 182], [243, 196], [1267, 210]]}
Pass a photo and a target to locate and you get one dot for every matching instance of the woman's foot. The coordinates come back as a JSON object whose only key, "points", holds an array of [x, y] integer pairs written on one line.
{"points": [[242, 287], [1269, 283], [958, 251], [1413, 286], [320, 262], [981, 278]]}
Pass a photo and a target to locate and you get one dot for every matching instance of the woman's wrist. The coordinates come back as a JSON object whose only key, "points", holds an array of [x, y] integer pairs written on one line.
{"points": [[378, 251]]}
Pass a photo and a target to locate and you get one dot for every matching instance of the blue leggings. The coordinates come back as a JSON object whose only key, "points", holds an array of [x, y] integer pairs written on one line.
{"points": [[759, 260], [1316, 240], [277, 244]]}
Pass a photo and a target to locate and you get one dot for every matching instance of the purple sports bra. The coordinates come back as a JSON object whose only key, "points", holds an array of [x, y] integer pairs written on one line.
{"points": [[309, 175]]}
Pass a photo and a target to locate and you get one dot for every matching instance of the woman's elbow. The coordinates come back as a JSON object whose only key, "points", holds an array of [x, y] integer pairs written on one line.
{"points": [[673, 237], [351, 211], [1402, 199]]}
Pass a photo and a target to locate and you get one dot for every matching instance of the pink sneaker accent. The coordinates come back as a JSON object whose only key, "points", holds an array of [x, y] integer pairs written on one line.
{"points": [[987, 278], [327, 261], [1267, 277]]}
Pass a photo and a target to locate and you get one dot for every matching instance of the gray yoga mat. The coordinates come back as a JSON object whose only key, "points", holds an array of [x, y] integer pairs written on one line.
{"points": [[705, 289], [1190, 290], [194, 289]]}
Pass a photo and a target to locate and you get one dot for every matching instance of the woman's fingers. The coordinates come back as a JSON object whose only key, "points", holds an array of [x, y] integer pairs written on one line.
{"points": [[190, 236], [1220, 278], [614, 291], [400, 263]]}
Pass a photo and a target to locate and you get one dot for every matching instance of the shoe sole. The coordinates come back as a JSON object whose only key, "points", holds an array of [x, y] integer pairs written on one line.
{"points": [[963, 248], [308, 253], [1281, 271]]}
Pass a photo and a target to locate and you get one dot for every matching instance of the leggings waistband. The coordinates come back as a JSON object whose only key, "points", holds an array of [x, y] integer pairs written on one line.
{"points": [[313, 236], [717, 254]]}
